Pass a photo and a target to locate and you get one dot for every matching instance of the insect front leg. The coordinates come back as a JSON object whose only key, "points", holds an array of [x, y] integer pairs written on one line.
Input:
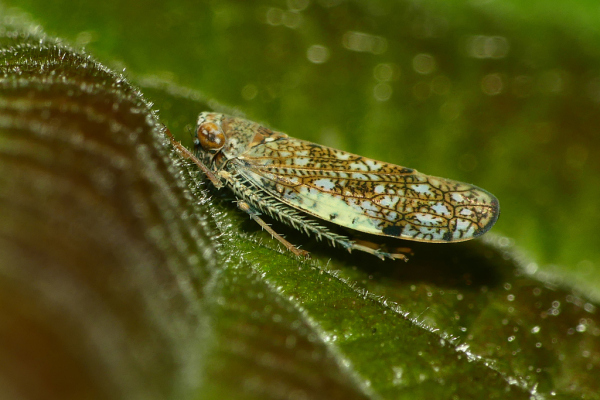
{"points": [[185, 153], [242, 205]]}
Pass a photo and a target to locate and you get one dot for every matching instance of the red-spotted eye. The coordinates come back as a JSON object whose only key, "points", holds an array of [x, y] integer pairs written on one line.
{"points": [[210, 136]]}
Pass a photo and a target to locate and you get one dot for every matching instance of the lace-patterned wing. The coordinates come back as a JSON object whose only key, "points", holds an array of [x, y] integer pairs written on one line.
{"points": [[367, 195]]}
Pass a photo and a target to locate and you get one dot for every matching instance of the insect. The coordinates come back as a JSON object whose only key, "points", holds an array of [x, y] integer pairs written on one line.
{"points": [[302, 183]]}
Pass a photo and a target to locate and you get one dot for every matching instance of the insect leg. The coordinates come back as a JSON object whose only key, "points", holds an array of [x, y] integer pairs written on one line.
{"points": [[242, 205], [377, 252], [188, 154]]}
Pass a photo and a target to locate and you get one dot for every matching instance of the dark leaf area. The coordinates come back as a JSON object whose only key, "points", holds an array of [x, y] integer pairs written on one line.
{"points": [[99, 294], [123, 275]]}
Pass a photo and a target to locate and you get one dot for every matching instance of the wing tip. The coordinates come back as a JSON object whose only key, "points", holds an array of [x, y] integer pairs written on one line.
{"points": [[495, 214]]}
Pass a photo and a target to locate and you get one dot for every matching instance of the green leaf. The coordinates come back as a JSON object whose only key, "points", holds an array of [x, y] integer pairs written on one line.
{"points": [[123, 270]]}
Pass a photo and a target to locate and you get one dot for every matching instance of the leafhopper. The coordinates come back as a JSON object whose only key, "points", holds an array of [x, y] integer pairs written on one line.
{"points": [[302, 184]]}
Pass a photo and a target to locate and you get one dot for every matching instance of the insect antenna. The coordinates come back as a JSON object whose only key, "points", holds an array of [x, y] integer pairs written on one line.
{"points": [[189, 129]]}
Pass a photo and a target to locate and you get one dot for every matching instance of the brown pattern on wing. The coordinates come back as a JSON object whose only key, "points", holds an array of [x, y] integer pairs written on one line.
{"points": [[368, 195]]}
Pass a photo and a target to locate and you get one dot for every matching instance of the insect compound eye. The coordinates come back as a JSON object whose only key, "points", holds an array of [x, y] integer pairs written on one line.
{"points": [[210, 136]]}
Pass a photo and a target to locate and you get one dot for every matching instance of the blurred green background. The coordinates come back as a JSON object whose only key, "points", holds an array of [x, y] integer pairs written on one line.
{"points": [[505, 95]]}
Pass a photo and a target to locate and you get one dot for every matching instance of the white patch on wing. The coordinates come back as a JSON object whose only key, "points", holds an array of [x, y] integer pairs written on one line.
{"points": [[389, 201], [379, 189], [409, 231], [341, 155], [433, 233], [441, 209], [441, 233], [372, 213], [392, 216], [373, 165], [301, 161], [324, 183], [457, 197], [421, 188], [358, 167], [464, 229], [466, 212], [428, 219], [356, 175], [353, 203], [368, 205]]}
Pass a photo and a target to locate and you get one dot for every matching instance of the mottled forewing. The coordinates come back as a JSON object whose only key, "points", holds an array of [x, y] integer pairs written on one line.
{"points": [[367, 195]]}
